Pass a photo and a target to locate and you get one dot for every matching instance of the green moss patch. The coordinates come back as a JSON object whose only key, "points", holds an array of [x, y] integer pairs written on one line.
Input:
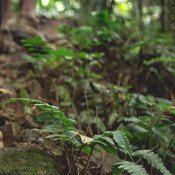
{"points": [[26, 161]]}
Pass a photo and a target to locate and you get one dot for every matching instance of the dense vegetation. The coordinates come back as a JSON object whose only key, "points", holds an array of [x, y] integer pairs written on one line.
{"points": [[112, 73]]}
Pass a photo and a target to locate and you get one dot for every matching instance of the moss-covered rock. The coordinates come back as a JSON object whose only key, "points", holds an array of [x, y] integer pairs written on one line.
{"points": [[26, 161]]}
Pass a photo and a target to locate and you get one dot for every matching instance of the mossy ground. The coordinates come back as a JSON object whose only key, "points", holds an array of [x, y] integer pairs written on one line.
{"points": [[26, 162]]}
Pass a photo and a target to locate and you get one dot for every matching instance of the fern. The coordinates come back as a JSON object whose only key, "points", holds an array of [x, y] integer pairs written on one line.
{"points": [[59, 127], [56, 124], [121, 139], [106, 142], [130, 167], [112, 140], [152, 159], [105, 138]]}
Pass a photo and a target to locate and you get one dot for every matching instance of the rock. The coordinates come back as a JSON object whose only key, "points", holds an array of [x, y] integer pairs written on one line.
{"points": [[26, 161]]}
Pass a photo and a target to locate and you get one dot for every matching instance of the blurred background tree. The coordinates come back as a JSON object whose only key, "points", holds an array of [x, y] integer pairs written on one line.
{"points": [[168, 7], [158, 13]]}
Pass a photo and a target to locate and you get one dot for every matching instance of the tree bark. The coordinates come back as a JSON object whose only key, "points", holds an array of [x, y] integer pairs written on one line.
{"points": [[162, 17], [111, 6], [169, 15], [140, 13], [1, 11]]}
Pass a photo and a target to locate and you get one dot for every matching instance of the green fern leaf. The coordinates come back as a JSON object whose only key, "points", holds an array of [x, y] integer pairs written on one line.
{"points": [[122, 141], [99, 142], [105, 142], [131, 168], [153, 159], [102, 137]]}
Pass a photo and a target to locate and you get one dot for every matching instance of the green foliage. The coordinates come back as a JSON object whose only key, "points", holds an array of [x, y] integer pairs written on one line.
{"points": [[55, 123], [121, 139], [129, 52], [131, 167], [110, 107], [135, 169], [153, 159], [156, 52], [112, 140], [79, 64], [100, 29], [59, 127]]}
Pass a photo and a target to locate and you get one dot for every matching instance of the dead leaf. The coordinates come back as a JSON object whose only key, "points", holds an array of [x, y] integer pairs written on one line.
{"points": [[6, 91], [86, 139]]}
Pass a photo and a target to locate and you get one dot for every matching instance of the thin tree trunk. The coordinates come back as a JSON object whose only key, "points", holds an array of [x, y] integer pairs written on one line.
{"points": [[170, 15], [140, 13], [5, 11], [111, 6], [162, 17], [1, 11]]}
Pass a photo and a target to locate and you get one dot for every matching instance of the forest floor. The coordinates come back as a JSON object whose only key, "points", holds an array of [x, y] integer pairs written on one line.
{"points": [[23, 79], [15, 75]]}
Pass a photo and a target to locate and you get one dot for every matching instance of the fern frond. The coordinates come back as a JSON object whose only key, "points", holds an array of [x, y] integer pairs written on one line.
{"points": [[153, 159], [104, 138], [105, 142], [131, 168], [122, 141]]}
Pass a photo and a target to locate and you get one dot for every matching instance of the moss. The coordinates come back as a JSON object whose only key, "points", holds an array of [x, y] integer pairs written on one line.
{"points": [[26, 162]]}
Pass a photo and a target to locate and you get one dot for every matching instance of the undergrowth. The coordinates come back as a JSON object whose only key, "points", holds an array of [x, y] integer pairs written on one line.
{"points": [[60, 128], [98, 71]]}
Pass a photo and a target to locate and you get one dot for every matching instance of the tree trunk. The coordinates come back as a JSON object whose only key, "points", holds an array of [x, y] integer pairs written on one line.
{"points": [[111, 6], [140, 13], [1, 11], [169, 15], [162, 17]]}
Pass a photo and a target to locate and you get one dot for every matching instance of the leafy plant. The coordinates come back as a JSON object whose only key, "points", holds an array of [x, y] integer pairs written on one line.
{"points": [[131, 167], [152, 159], [99, 30], [79, 64], [58, 127], [107, 106]]}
